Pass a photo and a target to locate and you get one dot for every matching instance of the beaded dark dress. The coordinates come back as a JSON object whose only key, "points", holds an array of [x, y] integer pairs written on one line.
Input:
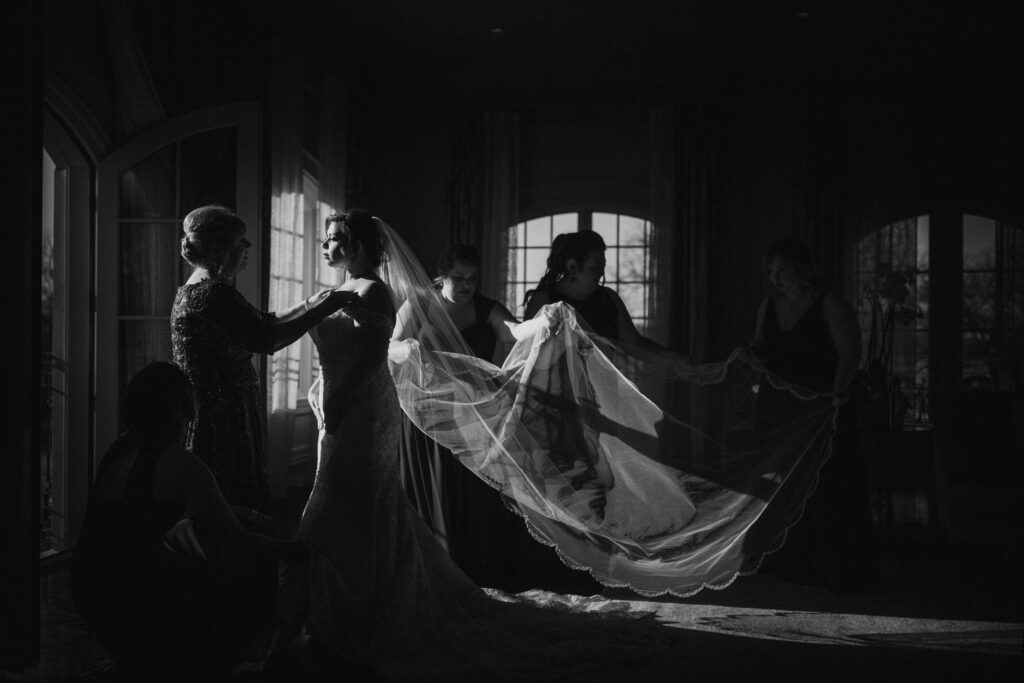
{"points": [[831, 545], [214, 333]]}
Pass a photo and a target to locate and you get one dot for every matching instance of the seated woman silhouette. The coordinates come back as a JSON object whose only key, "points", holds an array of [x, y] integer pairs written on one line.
{"points": [[167, 603]]}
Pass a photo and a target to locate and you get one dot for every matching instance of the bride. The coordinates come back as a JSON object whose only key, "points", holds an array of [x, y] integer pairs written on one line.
{"points": [[678, 507], [379, 586]]}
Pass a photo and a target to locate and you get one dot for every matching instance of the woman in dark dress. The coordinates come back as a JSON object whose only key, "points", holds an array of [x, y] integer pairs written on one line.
{"points": [[810, 336], [215, 332], [575, 269], [164, 609], [465, 514]]}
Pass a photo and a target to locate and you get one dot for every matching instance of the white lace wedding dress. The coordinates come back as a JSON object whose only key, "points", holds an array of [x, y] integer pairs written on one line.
{"points": [[381, 588]]}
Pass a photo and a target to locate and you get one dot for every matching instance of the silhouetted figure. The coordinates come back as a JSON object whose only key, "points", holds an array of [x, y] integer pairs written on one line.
{"points": [[810, 336], [165, 575]]}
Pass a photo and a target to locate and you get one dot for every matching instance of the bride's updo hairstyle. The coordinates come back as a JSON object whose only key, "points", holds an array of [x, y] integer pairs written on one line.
{"points": [[360, 226], [209, 231], [569, 246]]}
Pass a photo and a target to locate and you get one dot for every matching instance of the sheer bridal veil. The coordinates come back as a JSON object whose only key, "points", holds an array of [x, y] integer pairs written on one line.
{"points": [[638, 467]]}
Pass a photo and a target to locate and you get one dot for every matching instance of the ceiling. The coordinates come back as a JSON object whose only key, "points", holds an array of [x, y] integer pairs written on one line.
{"points": [[487, 49]]}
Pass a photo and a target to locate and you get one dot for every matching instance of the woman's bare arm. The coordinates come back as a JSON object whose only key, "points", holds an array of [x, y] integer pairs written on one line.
{"points": [[844, 329], [206, 505], [502, 322]]}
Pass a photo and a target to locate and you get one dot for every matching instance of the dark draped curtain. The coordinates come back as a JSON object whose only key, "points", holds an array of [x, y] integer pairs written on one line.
{"points": [[690, 167], [485, 189]]}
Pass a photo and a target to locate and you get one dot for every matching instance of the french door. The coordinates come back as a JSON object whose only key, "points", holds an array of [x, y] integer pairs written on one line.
{"points": [[145, 188]]}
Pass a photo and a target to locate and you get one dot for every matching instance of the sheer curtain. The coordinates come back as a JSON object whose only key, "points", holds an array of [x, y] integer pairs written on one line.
{"points": [[663, 219], [286, 215], [689, 171]]}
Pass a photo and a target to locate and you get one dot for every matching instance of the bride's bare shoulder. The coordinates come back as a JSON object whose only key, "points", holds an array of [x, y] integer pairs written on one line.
{"points": [[375, 295]]}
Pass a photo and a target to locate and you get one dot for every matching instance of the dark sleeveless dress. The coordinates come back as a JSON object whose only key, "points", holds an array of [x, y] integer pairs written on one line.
{"points": [[469, 517], [154, 611], [214, 334], [540, 565], [831, 545], [598, 310]]}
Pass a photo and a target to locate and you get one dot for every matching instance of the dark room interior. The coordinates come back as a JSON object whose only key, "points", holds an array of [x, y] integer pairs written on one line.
{"points": [[885, 135]]}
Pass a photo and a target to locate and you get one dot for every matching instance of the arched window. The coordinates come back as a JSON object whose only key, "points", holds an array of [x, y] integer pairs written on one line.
{"points": [[893, 272], [628, 256]]}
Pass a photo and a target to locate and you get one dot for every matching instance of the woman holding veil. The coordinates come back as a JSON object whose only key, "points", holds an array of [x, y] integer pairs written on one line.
{"points": [[810, 335]]}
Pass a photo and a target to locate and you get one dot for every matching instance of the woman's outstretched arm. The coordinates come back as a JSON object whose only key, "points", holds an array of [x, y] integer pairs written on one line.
{"points": [[844, 329], [253, 330], [206, 505]]}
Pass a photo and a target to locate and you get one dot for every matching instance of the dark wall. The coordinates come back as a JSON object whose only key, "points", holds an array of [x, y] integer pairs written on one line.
{"points": [[20, 401], [593, 154]]}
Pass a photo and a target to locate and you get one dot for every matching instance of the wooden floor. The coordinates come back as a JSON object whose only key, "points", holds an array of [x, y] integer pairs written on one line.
{"points": [[920, 578]]}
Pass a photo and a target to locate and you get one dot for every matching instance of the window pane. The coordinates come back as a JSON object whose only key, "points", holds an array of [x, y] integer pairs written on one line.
{"points": [[975, 360], [633, 231], [147, 190], [538, 232], [904, 244], [517, 235], [149, 260], [979, 243], [566, 222], [535, 265], [512, 267], [208, 165], [921, 293], [1013, 247], [606, 225], [923, 242], [1013, 295], [867, 255], [632, 264], [517, 296], [979, 300]]}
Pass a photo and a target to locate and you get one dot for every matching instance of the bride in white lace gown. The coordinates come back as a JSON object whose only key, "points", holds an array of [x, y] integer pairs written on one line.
{"points": [[381, 588]]}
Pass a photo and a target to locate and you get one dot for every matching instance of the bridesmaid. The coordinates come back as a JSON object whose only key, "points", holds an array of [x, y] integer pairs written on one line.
{"points": [[810, 336], [466, 515], [575, 269], [214, 333]]}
